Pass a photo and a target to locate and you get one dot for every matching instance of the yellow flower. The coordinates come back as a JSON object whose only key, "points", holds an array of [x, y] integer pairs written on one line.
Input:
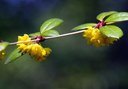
{"points": [[2, 54], [95, 37], [39, 52], [23, 39], [32, 48]]}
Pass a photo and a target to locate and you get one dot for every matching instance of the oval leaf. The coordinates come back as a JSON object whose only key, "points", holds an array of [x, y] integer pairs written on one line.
{"points": [[35, 34], [50, 33], [13, 56], [117, 17], [3, 45], [84, 26], [112, 31], [50, 24], [104, 14]]}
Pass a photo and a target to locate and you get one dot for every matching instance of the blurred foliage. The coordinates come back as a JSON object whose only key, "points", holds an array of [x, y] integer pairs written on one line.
{"points": [[82, 66]]}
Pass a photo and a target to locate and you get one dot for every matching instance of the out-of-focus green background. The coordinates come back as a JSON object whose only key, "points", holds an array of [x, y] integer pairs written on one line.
{"points": [[73, 64]]}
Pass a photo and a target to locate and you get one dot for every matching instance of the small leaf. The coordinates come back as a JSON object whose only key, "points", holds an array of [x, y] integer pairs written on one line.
{"points": [[35, 34], [50, 24], [50, 33], [112, 31], [3, 45], [13, 56], [117, 17], [84, 26], [104, 14]]}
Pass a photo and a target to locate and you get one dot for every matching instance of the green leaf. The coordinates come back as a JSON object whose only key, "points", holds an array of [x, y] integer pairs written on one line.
{"points": [[117, 17], [35, 34], [50, 33], [3, 45], [13, 56], [84, 26], [104, 14], [50, 24], [112, 31]]}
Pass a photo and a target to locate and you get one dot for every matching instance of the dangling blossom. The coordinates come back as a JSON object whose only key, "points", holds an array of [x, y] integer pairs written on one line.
{"points": [[96, 38], [32, 48]]}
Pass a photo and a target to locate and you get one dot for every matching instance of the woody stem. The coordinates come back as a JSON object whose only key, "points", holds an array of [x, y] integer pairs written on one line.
{"points": [[13, 43], [64, 35], [39, 39]]}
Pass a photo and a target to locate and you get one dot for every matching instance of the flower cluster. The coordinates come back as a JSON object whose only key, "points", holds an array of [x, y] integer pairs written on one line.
{"points": [[32, 48], [95, 37]]}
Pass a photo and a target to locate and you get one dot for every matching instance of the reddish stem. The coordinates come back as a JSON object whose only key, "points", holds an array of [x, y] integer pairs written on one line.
{"points": [[100, 24], [39, 38]]}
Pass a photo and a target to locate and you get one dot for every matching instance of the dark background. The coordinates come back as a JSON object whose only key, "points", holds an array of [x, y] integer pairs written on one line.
{"points": [[73, 64]]}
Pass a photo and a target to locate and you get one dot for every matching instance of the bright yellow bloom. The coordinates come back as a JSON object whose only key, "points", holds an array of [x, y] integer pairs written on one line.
{"points": [[2, 54], [95, 37], [32, 48], [23, 39], [39, 52]]}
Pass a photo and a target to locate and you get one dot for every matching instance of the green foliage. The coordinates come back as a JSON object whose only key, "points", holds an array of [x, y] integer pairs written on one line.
{"points": [[13, 56], [47, 28], [46, 33], [101, 16], [35, 34], [112, 31], [84, 26], [50, 24], [3, 45], [50, 33], [117, 17]]}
